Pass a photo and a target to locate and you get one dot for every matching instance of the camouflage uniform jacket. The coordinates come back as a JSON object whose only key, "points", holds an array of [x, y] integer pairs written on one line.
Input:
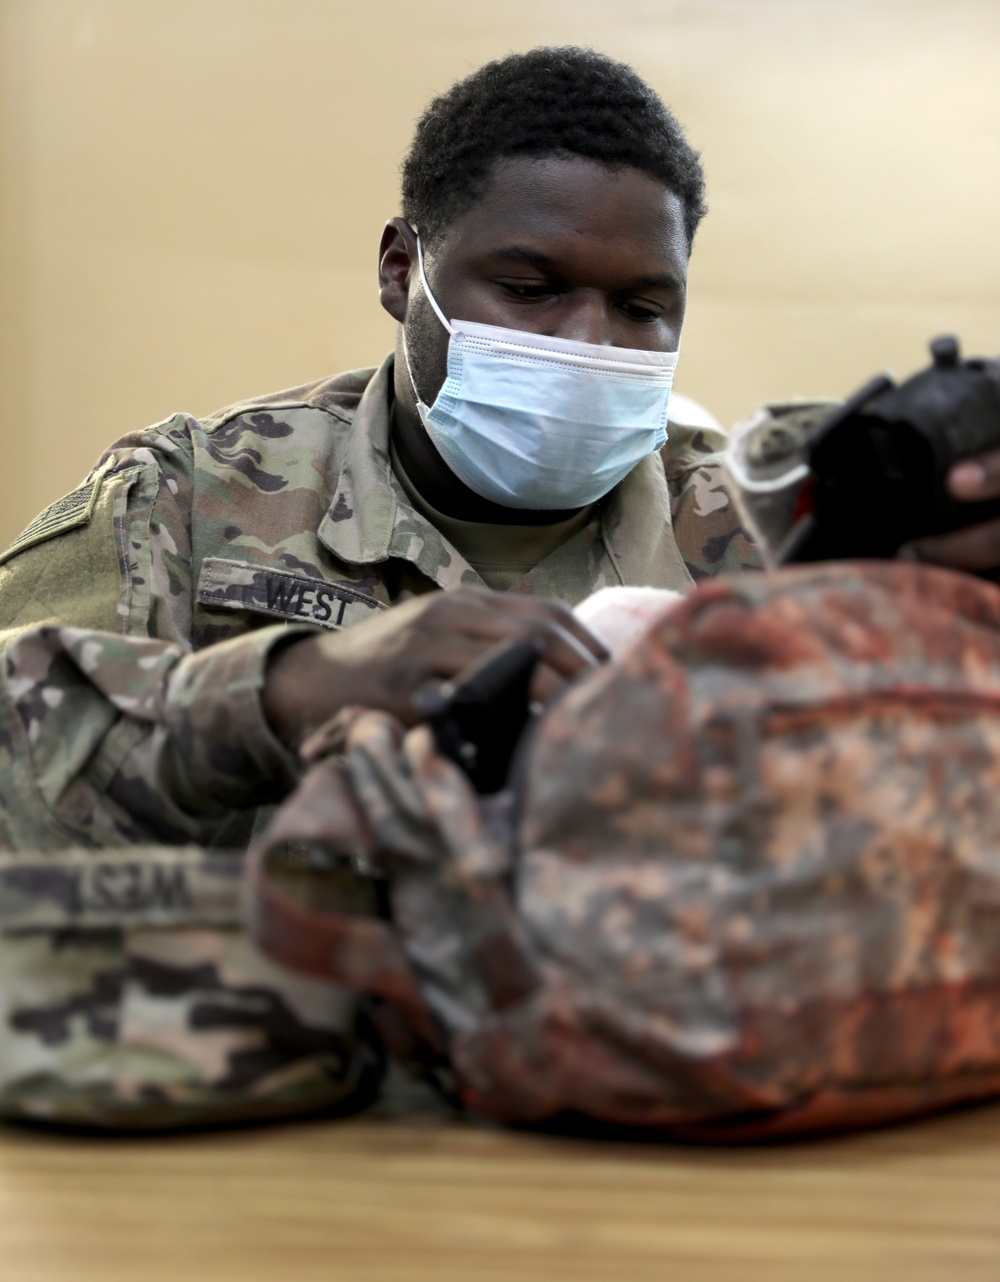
{"points": [[138, 612]]}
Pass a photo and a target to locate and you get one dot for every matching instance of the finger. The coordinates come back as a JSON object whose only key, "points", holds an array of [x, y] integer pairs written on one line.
{"points": [[563, 618], [437, 659], [976, 478], [546, 684], [976, 548], [564, 653], [547, 681], [494, 618], [495, 612], [453, 657]]}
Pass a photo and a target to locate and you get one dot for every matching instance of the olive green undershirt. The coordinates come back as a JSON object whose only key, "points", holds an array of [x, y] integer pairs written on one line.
{"points": [[500, 554]]}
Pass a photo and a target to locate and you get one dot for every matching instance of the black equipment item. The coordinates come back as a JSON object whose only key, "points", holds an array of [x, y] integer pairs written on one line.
{"points": [[879, 462], [478, 718]]}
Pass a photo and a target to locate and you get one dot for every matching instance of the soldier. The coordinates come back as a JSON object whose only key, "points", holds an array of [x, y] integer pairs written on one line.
{"points": [[215, 590]]}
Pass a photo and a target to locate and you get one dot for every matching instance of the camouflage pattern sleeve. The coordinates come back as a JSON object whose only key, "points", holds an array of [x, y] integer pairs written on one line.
{"points": [[707, 524], [114, 730]]}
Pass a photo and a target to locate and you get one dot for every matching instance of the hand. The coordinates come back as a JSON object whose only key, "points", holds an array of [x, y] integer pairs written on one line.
{"points": [[383, 663], [976, 548]]}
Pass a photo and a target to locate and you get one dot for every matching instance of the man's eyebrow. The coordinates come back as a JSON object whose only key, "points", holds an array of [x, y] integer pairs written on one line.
{"points": [[521, 254], [666, 281]]}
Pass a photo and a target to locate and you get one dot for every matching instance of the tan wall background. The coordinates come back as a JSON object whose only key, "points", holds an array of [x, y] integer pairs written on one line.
{"points": [[193, 191]]}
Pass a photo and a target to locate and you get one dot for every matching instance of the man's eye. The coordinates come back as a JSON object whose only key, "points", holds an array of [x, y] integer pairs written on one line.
{"points": [[518, 289], [640, 312]]}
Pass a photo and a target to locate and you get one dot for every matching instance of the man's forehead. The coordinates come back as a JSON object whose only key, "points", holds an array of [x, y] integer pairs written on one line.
{"points": [[541, 208]]}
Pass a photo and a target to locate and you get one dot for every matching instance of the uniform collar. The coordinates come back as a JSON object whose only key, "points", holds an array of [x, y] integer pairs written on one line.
{"points": [[638, 531], [370, 518]]}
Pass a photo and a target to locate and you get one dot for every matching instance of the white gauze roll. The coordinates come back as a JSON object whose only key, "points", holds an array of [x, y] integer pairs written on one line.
{"points": [[619, 615]]}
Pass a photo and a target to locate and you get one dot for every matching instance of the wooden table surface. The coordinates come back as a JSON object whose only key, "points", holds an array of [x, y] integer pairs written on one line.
{"points": [[407, 1201]]}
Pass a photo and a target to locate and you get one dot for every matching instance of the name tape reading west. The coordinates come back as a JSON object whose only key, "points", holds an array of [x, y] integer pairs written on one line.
{"points": [[238, 585], [127, 887]]}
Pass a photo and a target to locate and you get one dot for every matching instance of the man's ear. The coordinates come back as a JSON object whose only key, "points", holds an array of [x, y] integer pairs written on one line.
{"points": [[397, 256]]}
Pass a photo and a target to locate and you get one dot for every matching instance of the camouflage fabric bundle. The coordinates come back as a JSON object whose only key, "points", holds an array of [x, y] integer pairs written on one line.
{"points": [[747, 882], [130, 997]]}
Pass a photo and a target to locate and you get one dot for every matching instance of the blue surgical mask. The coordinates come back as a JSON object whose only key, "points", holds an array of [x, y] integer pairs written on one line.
{"points": [[543, 423]]}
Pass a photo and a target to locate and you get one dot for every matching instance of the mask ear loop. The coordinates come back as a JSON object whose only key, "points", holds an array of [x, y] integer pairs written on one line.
{"points": [[427, 289], [421, 407]]}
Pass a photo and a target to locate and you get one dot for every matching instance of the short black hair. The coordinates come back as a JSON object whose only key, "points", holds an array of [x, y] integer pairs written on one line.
{"points": [[546, 101]]}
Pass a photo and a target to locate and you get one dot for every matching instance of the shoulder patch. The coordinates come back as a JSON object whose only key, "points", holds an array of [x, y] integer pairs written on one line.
{"points": [[72, 510], [239, 585]]}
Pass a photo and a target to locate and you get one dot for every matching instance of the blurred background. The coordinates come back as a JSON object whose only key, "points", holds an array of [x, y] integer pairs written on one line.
{"points": [[193, 191]]}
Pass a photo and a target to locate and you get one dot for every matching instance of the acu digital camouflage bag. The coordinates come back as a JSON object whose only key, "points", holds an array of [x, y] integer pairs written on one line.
{"points": [[745, 881]]}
